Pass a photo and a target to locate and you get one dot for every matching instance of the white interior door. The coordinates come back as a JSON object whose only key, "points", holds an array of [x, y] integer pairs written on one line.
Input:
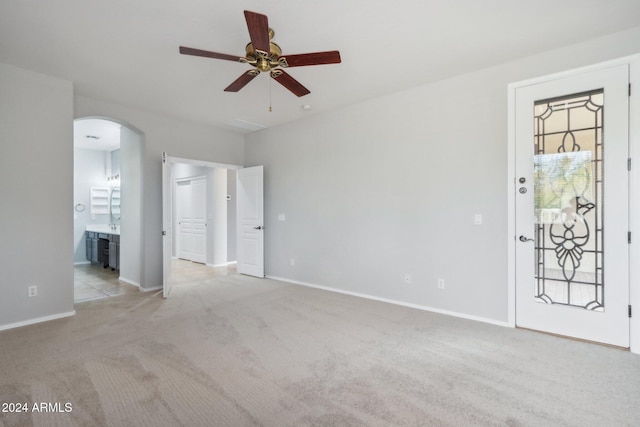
{"points": [[185, 220], [167, 232], [572, 206], [199, 218], [250, 250], [191, 208]]}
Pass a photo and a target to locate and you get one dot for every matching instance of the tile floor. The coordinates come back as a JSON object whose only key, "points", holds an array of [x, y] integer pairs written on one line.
{"points": [[184, 272], [92, 281]]}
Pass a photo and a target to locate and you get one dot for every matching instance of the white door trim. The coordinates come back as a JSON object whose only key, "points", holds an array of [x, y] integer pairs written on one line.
{"points": [[191, 178], [634, 187], [204, 163], [167, 224]]}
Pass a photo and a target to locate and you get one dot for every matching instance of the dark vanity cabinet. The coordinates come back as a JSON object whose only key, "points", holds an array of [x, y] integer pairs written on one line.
{"points": [[114, 251], [103, 248], [91, 241]]}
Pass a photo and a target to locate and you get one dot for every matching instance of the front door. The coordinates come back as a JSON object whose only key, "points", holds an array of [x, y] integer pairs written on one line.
{"points": [[572, 206]]}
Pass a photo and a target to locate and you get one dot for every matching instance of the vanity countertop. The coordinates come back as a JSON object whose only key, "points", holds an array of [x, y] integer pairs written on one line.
{"points": [[103, 228]]}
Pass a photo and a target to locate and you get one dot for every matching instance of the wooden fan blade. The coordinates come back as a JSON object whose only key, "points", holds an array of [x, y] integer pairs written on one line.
{"points": [[241, 81], [317, 58], [290, 83], [258, 25], [207, 54]]}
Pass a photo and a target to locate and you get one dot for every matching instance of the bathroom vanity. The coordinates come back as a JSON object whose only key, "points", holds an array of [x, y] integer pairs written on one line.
{"points": [[103, 245]]}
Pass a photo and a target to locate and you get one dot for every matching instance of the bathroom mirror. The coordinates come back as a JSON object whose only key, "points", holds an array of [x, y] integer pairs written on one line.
{"points": [[114, 204]]}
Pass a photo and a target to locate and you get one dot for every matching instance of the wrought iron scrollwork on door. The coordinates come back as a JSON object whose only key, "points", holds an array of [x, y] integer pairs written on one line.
{"points": [[569, 241], [568, 183]]}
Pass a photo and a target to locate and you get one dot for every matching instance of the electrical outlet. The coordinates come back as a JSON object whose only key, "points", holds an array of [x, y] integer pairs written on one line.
{"points": [[292, 262], [33, 291], [440, 283], [407, 278]]}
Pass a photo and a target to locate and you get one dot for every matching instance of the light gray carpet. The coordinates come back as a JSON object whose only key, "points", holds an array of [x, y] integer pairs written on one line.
{"points": [[238, 351]]}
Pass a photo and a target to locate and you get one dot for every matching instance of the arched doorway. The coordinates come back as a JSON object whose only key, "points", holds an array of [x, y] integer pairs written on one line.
{"points": [[108, 232]]}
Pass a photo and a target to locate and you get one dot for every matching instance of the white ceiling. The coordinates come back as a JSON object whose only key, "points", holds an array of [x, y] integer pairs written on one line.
{"points": [[96, 134], [126, 51]]}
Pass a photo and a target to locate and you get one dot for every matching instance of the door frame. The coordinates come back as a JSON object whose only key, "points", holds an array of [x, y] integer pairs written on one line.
{"points": [[133, 232], [634, 187], [167, 219]]}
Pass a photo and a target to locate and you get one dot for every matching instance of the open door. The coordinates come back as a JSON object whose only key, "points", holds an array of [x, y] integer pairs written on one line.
{"points": [[250, 221], [166, 225]]}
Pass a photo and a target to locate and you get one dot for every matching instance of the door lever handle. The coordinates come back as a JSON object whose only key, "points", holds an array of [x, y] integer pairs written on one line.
{"points": [[525, 239], [258, 227]]}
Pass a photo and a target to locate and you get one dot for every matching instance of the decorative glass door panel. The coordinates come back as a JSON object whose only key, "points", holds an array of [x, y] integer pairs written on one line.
{"points": [[568, 200], [572, 205]]}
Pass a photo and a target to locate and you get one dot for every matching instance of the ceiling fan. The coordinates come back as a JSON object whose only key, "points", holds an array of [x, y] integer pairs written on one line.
{"points": [[266, 56]]}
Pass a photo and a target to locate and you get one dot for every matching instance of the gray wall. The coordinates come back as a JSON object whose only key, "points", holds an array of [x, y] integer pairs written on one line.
{"points": [[178, 138], [36, 189], [131, 200], [391, 186], [217, 216]]}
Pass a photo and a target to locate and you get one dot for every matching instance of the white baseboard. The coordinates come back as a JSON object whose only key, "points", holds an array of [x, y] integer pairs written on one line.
{"points": [[157, 288], [82, 263], [37, 320], [390, 301], [224, 264], [130, 282]]}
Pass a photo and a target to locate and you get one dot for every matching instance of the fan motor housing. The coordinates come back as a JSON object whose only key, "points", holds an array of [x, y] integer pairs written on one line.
{"points": [[264, 63]]}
